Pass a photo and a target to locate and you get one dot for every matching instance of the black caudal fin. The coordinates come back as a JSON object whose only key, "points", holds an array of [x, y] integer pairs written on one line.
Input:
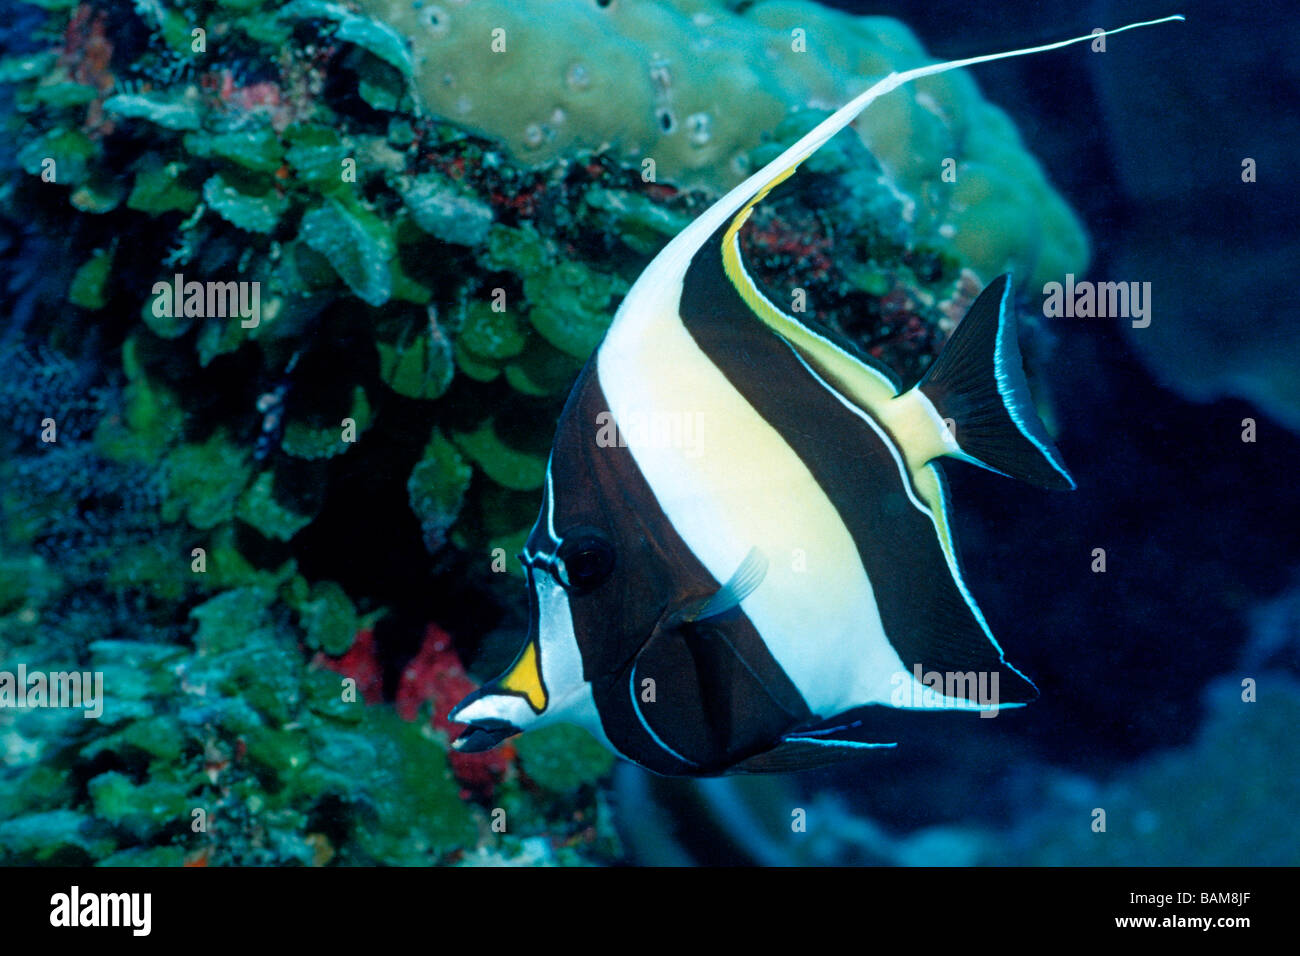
{"points": [[978, 384]]}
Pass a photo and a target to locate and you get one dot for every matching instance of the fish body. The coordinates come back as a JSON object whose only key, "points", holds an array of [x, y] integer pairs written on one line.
{"points": [[745, 534]]}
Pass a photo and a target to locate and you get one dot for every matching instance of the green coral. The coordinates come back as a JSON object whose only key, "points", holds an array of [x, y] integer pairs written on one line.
{"points": [[256, 211], [261, 508], [563, 758], [257, 149], [140, 809], [437, 489], [642, 223], [419, 368], [443, 209], [329, 618], [315, 438], [172, 113], [158, 189], [53, 837], [572, 303], [316, 155], [357, 244], [511, 467], [492, 334], [240, 732], [69, 150], [205, 480], [87, 288]]}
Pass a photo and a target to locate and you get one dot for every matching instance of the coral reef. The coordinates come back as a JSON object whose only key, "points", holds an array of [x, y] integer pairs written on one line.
{"points": [[236, 750], [692, 85], [286, 358]]}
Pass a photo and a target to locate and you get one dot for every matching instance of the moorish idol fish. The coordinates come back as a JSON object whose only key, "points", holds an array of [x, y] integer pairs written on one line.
{"points": [[714, 605]]}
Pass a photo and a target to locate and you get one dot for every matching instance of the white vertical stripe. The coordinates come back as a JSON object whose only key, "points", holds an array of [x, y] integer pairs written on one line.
{"points": [[745, 488]]}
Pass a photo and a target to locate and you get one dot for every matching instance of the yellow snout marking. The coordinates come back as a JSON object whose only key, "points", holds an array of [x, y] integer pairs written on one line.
{"points": [[525, 677]]}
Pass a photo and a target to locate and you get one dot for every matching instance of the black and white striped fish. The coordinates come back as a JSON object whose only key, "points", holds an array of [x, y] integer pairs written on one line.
{"points": [[745, 529]]}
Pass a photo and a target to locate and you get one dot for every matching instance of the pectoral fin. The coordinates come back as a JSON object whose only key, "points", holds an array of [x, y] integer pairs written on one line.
{"points": [[747, 577]]}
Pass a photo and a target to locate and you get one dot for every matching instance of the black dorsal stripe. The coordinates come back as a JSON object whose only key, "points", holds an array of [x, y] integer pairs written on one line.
{"points": [[925, 617], [720, 695]]}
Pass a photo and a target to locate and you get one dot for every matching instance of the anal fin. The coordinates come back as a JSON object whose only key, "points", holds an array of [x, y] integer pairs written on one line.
{"points": [[798, 752]]}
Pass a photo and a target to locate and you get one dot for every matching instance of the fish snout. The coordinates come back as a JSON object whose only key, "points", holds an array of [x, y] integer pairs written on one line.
{"points": [[492, 715], [484, 734]]}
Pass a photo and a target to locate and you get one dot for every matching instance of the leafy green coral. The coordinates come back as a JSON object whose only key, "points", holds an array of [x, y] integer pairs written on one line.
{"points": [[236, 750], [562, 757], [356, 243], [437, 489]]}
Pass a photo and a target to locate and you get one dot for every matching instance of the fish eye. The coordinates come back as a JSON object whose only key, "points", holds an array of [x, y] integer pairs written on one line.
{"points": [[585, 559]]}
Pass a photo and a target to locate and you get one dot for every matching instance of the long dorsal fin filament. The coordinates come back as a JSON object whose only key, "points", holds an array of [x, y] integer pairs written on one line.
{"points": [[744, 196], [860, 378]]}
